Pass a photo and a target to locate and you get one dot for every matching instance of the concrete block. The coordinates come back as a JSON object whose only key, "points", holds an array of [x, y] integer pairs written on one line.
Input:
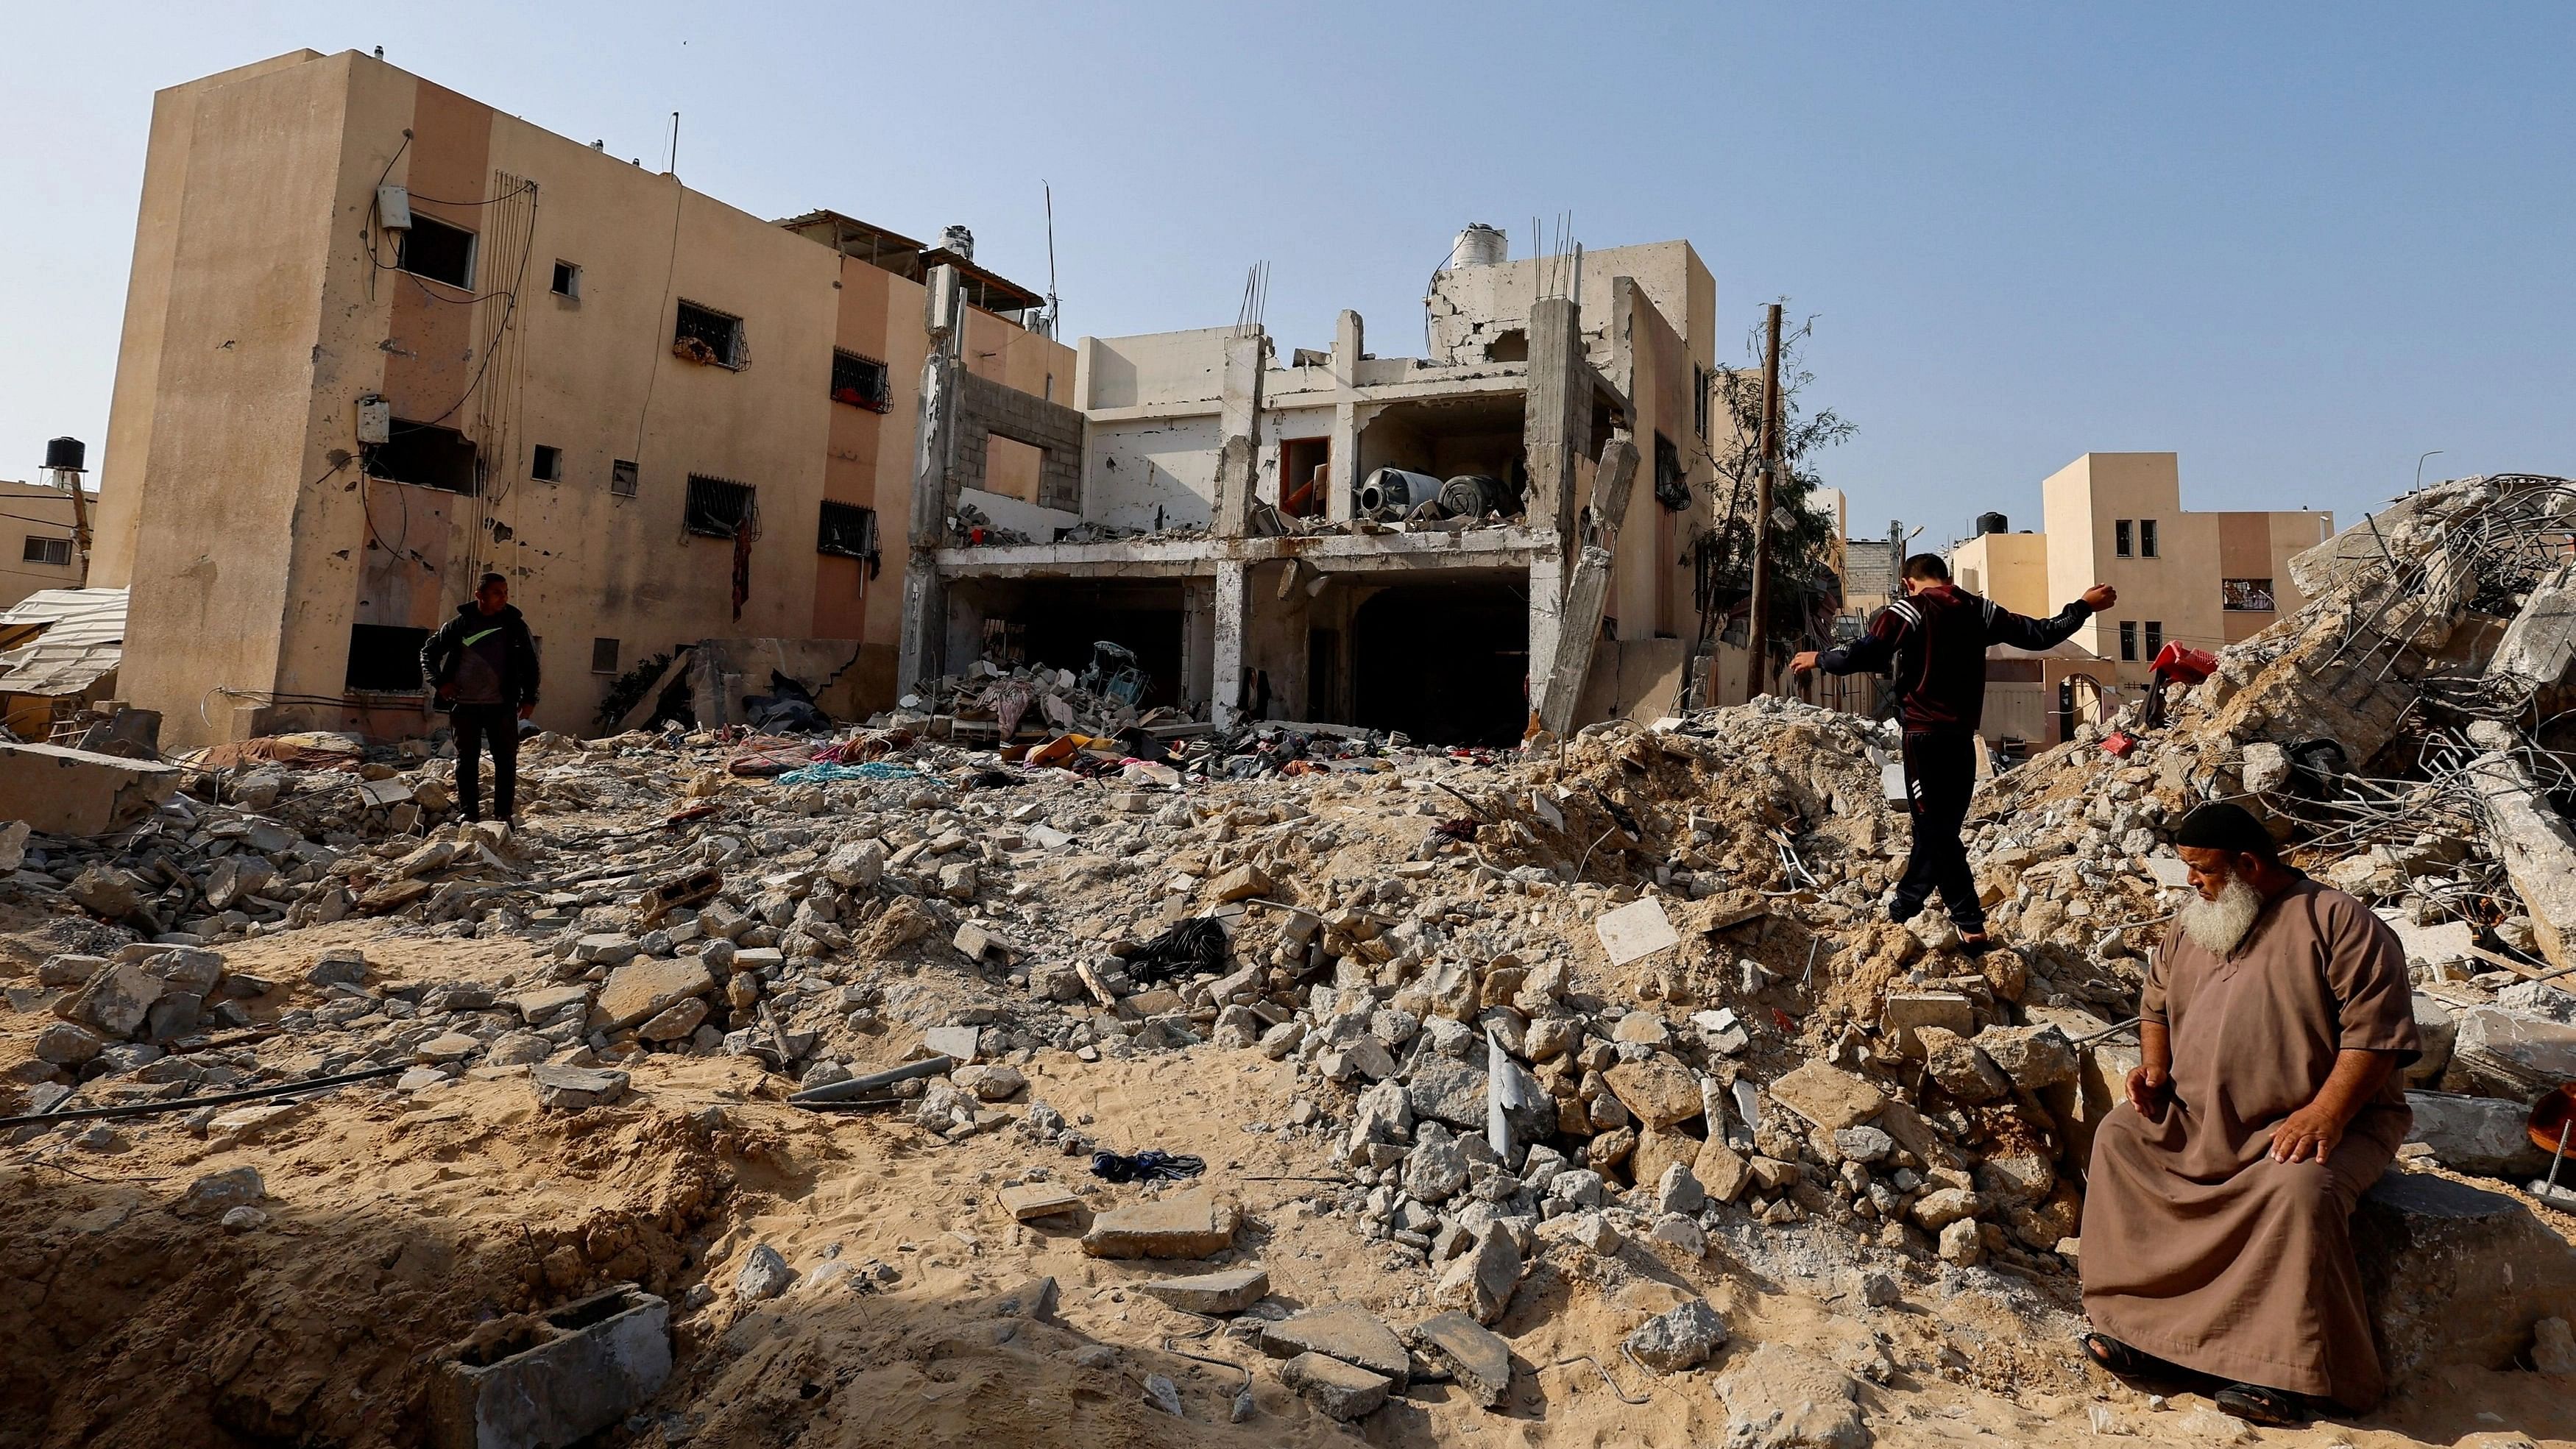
{"points": [[75, 792], [1343, 1331], [1475, 1355], [1211, 1293], [1338, 1389], [593, 1363], [2535, 843], [1187, 1225], [1906, 1012], [2455, 1275], [2482, 1136]]}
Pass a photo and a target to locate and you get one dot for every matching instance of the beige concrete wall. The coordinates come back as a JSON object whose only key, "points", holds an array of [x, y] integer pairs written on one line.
{"points": [[257, 547], [2259, 545], [35, 511], [2009, 568]]}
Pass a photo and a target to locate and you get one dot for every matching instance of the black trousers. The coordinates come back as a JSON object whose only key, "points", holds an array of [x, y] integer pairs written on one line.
{"points": [[476, 726], [1940, 775]]}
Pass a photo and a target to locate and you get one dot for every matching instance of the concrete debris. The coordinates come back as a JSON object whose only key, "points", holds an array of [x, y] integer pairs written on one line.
{"points": [[1340, 1389], [593, 1363], [1477, 1357], [1780, 1397], [1682, 1338], [1186, 1225]]}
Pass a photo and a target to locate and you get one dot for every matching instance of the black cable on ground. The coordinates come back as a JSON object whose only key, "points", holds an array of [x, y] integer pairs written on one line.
{"points": [[147, 1109]]}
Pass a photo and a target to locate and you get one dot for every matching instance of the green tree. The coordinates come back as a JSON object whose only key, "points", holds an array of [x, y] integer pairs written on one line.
{"points": [[1805, 592]]}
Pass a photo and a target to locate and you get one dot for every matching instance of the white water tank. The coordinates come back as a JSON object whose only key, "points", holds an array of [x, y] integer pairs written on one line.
{"points": [[1479, 245], [959, 240]]}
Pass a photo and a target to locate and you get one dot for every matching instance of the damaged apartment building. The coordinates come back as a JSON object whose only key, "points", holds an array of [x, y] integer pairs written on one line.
{"points": [[381, 338], [1447, 545]]}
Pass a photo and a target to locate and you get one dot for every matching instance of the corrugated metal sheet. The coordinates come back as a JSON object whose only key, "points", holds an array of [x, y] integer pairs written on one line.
{"points": [[63, 639]]}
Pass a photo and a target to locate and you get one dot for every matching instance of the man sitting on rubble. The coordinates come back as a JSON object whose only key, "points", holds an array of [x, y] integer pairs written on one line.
{"points": [[483, 668], [2216, 1221], [1935, 638]]}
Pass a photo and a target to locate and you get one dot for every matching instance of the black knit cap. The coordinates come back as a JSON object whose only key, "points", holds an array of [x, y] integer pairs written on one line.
{"points": [[2231, 828]]}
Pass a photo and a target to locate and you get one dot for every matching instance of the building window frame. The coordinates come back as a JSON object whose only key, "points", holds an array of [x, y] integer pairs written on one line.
{"points": [[720, 507], [449, 256], [623, 477], [566, 282], [2155, 637], [707, 335], [603, 656], [862, 381], [545, 463], [846, 530], [51, 552], [2248, 596], [2129, 640], [2146, 538], [2120, 536]]}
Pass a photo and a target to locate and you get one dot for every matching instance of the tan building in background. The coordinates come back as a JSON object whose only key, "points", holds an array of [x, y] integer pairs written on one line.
{"points": [[566, 368], [36, 549], [2203, 580]]}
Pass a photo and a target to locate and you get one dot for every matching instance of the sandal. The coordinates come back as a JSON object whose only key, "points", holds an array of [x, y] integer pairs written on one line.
{"points": [[2256, 1404], [2116, 1357]]}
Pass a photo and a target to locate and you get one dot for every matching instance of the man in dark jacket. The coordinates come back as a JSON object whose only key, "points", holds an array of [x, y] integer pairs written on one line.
{"points": [[483, 667], [1933, 644]]}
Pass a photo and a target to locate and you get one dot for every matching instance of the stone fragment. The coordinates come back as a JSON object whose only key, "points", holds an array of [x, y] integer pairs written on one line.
{"points": [[1778, 1397], [2455, 1275], [1337, 1389], [217, 1193], [1721, 1170], [957, 1043], [1863, 1144], [1906, 1012], [1682, 1338], [1660, 1091], [1478, 1358], [1678, 1190], [118, 1001], [1027, 1202], [575, 1089], [1164, 1394], [1343, 1331], [990, 1083], [67, 1045], [1480, 1283], [1941, 1207], [646, 987], [1963, 1071], [1436, 1169], [1637, 929], [2484, 1136], [763, 1275], [2034, 1058], [447, 1046], [1828, 1097], [1447, 1090], [1236, 884], [1231, 1291], [1184, 1225], [2553, 1348], [674, 1022], [858, 865], [517, 1049]]}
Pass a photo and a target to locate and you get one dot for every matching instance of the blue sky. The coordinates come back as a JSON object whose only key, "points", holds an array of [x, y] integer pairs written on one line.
{"points": [[2297, 244]]}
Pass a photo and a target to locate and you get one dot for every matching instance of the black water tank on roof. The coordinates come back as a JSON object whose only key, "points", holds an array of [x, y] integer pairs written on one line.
{"points": [[65, 454], [1993, 523]]}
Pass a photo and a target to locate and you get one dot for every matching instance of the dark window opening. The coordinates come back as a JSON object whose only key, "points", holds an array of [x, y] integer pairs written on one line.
{"points": [[847, 531], [2120, 538], [440, 252], [860, 381], [545, 464], [603, 656], [55, 551], [2146, 538], [2155, 637], [385, 658], [2248, 596], [621, 478], [424, 455], [567, 281], [1671, 489], [2128, 638], [703, 334], [1305, 467], [1509, 345], [1464, 688], [717, 509], [1701, 383]]}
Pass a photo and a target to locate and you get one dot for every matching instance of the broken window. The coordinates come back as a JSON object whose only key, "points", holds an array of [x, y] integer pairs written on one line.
{"points": [[860, 381], [1701, 384], [847, 531], [384, 659], [442, 253], [2120, 538], [545, 463], [1671, 489], [2146, 538], [54, 551], [2247, 596], [1013, 468], [717, 508], [2155, 637], [621, 477], [1305, 466], [703, 334], [2128, 638], [567, 281], [424, 455], [603, 656]]}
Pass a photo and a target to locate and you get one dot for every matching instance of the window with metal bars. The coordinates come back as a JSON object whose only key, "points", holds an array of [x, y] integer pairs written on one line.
{"points": [[717, 508], [1671, 489], [703, 334], [622, 474], [847, 531], [860, 381], [58, 551]]}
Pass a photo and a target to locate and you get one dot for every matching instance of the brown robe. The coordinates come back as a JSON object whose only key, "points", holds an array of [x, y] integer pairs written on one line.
{"points": [[2198, 1247]]}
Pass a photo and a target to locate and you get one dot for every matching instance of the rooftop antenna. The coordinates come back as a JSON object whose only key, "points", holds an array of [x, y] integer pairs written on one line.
{"points": [[674, 167], [1055, 308]]}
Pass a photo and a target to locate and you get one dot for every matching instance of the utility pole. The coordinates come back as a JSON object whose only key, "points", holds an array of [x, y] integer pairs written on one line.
{"points": [[1758, 669]]}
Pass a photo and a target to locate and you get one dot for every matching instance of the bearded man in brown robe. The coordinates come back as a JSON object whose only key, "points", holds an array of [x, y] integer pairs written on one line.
{"points": [[2217, 1211]]}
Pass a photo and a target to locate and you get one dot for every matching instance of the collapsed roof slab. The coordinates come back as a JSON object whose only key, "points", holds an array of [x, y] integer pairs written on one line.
{"points": [[1480, 548]]}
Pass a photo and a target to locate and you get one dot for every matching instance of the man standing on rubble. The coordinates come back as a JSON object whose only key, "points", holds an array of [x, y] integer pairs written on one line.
{"points": [[1935, 639], [2217, 1230], [483, 667]]}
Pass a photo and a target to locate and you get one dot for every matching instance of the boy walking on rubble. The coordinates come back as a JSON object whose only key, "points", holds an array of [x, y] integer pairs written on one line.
{"points": [[483, 668], [1933, 644]]}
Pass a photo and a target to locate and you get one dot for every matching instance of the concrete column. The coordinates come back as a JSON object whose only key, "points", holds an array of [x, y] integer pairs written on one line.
{"points": [[1238, 465], [1347, 338], [1232, 615], [1558, 414], [1546, 600], [925, 605], [1198, 641]]}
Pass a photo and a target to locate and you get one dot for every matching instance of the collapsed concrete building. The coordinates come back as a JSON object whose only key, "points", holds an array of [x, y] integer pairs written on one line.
{"points": [[1442, 545]]}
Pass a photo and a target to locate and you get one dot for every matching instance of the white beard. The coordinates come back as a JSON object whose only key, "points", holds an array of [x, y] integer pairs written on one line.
{"points": [[2219, 926]]}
